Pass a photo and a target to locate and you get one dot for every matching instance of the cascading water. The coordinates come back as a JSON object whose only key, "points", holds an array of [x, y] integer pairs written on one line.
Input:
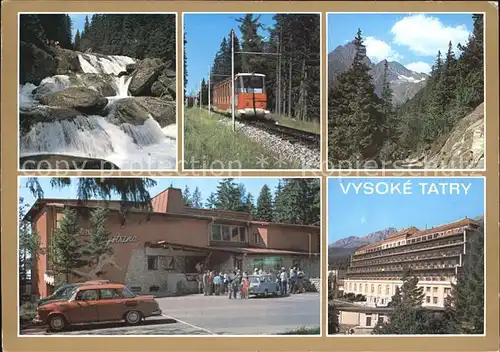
{"points": [[128, 146]]}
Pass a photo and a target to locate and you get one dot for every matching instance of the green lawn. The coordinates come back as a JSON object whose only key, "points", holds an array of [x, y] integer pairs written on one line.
{"points": [[307, 126], [209, 144]]}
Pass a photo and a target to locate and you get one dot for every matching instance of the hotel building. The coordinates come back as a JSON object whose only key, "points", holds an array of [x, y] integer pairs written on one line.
{"points": [[434, 255], [162, 251]]}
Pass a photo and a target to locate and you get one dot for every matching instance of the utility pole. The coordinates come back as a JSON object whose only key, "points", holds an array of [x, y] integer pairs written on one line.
{"points": [[290, 87], [279, 74], [209, 73], [232, 79], [201, 88]]}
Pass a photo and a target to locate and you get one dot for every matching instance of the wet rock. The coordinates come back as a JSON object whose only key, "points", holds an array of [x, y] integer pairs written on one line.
{"points": [[130, 68], [35, 64], [102, 83], [165, 86], [64, 162], [163, 111], [45, 114], [136, 110], [144, 76], [82, 99], [128, 110]]}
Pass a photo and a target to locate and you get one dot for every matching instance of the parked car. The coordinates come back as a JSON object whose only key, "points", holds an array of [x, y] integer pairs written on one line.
{"points": [[93, 303], [63, 291], [262, 285]]}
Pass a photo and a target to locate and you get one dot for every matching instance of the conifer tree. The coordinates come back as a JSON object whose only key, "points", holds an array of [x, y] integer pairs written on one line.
{"points": [[65, 253], [264, 211], [186, 196], [196, 198], [211, 201], [77, 40], [466, 303], [98, 244]]}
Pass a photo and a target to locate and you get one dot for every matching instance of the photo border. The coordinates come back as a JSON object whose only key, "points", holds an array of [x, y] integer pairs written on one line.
{"points": [[177, 81], [485, 120], [483, 178], [10, 163], [321, 315], [321, 113]]}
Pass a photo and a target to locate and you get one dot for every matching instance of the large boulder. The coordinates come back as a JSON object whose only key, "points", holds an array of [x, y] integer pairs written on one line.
{"points": [[165, 86], [103, 84], [136, 110], [45, 114], [83, 99], [144, 76], [35, 64], [163, 111], [128, 110], [67, 61]]}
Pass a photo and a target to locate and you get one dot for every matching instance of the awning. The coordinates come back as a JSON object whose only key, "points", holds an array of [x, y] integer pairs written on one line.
{"points": [[275, 251]]}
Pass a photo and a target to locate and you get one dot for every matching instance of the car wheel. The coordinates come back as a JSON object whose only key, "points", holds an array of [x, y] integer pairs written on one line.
{"points": [[57, 323], [133, 317]]}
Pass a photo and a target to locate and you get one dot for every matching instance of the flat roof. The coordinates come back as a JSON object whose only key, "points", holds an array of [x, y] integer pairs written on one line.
{"points": [[115, 206], [250, 74]]}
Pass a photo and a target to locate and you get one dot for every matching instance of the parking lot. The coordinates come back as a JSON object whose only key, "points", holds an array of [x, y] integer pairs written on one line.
{"points": [[214, 315]]}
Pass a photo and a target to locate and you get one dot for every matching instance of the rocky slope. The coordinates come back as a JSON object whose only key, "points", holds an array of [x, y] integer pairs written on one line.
{"points": [[404, 82], [97, 106], [463, 148]]}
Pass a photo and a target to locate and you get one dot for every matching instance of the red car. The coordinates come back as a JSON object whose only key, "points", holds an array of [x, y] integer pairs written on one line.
{"points": [[93, 303]]}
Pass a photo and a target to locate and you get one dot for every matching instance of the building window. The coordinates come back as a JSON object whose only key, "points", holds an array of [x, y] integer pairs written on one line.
{"points": [[373, 288], [229, 233], [428, 289], [447, 291], [355, 287], [379, 289], [387, 290], [428, 299], [435, 289], [366, 288], [435, 300], [152, 262], [257, 239]]}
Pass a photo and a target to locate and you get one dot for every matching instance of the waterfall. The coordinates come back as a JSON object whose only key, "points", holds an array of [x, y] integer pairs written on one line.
{"points": [[100, 64], [128, 146]]}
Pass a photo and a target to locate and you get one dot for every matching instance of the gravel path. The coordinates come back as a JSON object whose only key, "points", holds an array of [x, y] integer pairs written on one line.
{"points": [[293, 152]]}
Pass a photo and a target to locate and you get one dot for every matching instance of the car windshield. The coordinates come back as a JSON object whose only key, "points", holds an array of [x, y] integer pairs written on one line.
{"points": [[251, 84], [62, 291], [254, 279], [127, 293]]}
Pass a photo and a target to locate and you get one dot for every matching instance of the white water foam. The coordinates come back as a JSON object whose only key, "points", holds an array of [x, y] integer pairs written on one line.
{"points": [[26, 99], [170, 131], [127, 146], [113, 64], [122, 84]]}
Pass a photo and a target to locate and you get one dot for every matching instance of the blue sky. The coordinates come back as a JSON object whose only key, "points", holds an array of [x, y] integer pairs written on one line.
{"points": [[78, 21], [411, 39], [359, 214], [206, 186], [204, 33]]}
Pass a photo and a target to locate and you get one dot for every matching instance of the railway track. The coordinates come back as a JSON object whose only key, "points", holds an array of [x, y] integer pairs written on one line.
{"points": [[293, 135]]}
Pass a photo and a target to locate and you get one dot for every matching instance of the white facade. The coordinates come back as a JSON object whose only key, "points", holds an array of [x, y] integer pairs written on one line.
{"points": [[380, 292]]}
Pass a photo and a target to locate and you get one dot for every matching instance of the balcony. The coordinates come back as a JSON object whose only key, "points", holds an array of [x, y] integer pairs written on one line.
{"points": [[411, 249]]}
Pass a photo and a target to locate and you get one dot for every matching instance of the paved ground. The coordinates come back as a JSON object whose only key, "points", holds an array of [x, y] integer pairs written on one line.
{"points": [[201, 315]]}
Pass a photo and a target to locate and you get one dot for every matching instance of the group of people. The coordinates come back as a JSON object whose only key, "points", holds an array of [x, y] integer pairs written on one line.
{"points": [[236, 282], [232, 283], [290, 280]]}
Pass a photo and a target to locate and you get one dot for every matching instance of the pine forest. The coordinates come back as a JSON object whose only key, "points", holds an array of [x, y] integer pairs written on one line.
{"points": [[292, 78], [364, 126]]}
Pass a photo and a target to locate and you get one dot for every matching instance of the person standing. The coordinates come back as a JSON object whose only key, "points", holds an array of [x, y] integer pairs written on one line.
{"points": [[284, 282], [293, 280], [245, 284], [210, 281], [234, 286], [217, 281], [205, 283]]}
